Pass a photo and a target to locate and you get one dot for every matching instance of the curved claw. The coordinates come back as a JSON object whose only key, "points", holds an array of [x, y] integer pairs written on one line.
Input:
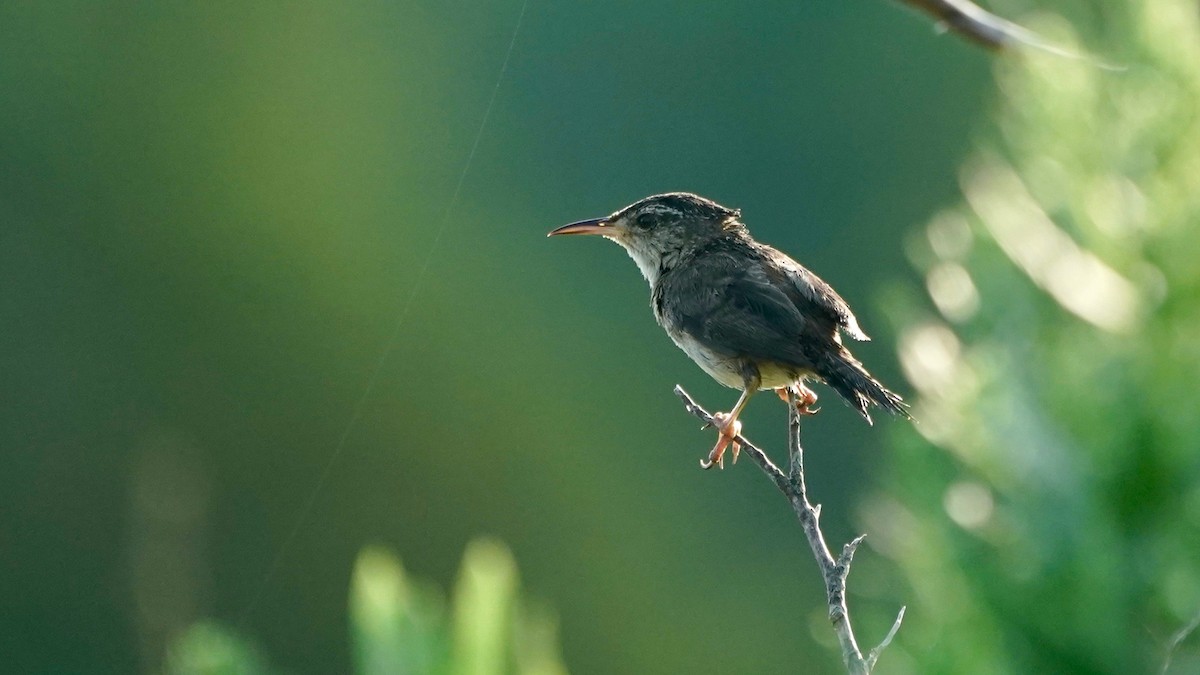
{"points": [[727, 433], [805, 398]]}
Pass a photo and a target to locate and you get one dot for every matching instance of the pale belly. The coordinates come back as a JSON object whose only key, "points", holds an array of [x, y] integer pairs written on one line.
{"points": [[725, 370]]}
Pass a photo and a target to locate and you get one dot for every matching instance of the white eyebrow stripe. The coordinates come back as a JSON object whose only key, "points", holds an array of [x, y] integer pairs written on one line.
{"points": [[658, 209]]}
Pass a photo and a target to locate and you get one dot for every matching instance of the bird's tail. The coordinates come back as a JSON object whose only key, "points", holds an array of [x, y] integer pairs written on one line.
{"points": [[851, 380]]}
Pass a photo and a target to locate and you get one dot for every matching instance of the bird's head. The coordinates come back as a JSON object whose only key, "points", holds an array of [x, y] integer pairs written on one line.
{"points": [[659, 230]]}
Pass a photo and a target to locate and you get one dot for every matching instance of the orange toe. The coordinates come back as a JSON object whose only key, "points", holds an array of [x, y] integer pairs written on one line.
{"points": [[728, 429]]}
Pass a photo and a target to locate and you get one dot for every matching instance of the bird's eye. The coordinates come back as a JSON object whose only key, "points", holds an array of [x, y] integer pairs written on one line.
{"points": [[645, 220]]}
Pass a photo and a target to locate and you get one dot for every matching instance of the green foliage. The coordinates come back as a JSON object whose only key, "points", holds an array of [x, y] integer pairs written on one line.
{"points": [[401, 626], [211, 649], [213, 214], [1046, 509]]}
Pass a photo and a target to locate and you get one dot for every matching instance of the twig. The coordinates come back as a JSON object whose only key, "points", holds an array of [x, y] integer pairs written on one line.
{"points": [[834, 572], [753, 451], [971, 21], [1177, 639], [990, 31]]}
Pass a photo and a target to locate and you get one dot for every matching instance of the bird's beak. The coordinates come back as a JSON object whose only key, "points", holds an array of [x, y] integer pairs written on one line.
{"points": [[592, 226]]}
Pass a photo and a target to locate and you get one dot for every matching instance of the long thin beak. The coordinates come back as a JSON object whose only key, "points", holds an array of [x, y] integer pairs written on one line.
{"points": [[592, 226]]}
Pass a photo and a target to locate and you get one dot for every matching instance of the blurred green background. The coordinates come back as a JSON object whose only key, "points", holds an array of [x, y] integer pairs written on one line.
{"points": [[213, 214]]}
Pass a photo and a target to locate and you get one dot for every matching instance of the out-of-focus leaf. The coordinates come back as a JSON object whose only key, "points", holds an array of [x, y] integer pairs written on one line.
{"points": [[396, 624], [399, 625], [483, 610], [535, 643], [210, 649]]}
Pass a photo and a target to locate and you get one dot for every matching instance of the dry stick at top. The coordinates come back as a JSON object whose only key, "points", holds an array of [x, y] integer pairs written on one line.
{"points": [[972, 22], [1177, 639], [834, 572], [984, 28]]}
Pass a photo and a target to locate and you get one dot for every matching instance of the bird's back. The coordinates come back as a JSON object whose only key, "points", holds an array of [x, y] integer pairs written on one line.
{"points": [[734, 302]]}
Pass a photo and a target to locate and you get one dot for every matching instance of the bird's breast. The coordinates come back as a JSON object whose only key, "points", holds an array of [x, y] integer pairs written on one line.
{"points": [[727, 369], [721, 367]]}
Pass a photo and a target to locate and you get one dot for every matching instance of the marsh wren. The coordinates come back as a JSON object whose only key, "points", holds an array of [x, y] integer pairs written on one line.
{"points": [[746, 313]]}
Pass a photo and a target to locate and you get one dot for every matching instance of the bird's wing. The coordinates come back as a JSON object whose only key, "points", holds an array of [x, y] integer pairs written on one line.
{"points": [[736, 309], [811, 295]]}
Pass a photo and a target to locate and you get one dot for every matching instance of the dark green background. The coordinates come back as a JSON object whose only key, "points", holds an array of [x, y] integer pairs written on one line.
{"points": [[212, 214]]}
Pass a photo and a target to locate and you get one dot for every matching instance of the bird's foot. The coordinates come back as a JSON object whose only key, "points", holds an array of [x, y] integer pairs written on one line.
{"points": [[805, 398], [728, 430]]}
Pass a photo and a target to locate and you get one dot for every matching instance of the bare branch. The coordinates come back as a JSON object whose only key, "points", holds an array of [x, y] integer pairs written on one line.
{"points": [[990, 31], [887, 640], [1177, 639], [834, 572], [754, 452], [972, 22]]}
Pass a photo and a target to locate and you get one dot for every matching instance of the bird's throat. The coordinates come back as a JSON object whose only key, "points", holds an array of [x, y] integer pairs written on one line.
{"points": [[650, 268]]}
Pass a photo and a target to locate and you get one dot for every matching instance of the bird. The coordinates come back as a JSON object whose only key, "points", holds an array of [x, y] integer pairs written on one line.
{"points": [[750, 316]]}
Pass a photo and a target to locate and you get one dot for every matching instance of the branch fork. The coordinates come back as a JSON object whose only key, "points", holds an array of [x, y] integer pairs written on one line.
{"points": [[834, 572]]}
